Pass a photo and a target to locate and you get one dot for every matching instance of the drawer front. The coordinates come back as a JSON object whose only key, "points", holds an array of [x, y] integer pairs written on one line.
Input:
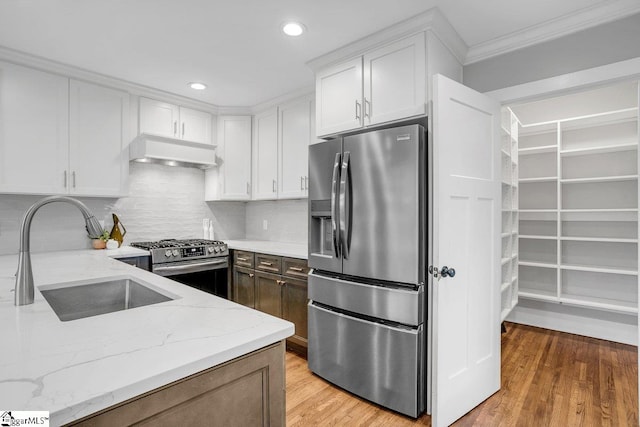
{"points": [[243, 259], [294, 267], [269, 263]]}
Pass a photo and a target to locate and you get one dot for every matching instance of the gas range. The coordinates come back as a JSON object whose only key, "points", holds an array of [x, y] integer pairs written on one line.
{"points": [[173, 250]]}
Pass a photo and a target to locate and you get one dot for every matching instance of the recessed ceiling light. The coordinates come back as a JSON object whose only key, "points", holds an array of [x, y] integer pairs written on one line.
{"points": [[293, 29], [197, 86]]}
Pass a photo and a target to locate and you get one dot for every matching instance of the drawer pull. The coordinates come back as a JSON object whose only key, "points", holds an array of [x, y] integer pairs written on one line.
{"points": [[281, 282], [299, 269], [250, 275], [266, 263], [242, 259]]}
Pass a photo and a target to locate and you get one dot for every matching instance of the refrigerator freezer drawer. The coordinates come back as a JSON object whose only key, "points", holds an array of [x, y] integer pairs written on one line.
{"points": [[377, 362], [401, 305]]}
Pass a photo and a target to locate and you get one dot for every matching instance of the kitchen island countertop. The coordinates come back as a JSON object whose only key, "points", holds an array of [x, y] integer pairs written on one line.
{"points": [[76, 368], [292, 250]]}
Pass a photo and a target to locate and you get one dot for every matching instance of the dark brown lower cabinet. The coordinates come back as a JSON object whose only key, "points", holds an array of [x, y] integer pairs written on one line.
{"points": [[243, 286], [247, 391], [277, 286]]}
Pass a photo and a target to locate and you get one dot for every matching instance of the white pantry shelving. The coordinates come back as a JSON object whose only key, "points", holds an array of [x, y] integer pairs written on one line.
{"points": [[578, 212], [510, 171]]}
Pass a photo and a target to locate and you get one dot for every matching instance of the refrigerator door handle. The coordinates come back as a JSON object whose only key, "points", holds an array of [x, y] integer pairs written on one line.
{"points": [[334, 204], [343, 204]]}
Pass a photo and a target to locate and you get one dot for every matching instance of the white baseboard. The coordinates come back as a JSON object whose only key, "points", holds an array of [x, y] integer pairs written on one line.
{"points": [[606, 325]]}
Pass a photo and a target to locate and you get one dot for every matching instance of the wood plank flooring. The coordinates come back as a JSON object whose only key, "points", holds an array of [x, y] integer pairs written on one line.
{"points": [[549, 378]]}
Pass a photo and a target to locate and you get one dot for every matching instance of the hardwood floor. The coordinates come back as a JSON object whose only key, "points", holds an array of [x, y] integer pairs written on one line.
{"points": [[549, 378]]}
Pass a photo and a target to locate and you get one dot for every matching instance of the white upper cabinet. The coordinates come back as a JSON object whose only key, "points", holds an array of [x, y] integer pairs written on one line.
{"points": [[195, 125], [98, 163], [395, 81], [339, 97], [34, 131], [385, 84], [172, 121], [295, 119], [232, 179], [265, 155]]}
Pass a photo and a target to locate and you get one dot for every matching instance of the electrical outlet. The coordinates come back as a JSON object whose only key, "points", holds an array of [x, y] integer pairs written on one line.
{"points": [[205, 223], [265, 224]]}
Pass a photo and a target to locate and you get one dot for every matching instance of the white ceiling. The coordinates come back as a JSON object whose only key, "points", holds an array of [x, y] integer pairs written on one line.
{"points": [[236, 47]]}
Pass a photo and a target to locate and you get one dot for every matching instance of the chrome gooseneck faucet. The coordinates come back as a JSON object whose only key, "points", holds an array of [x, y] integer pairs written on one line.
{"points": [[24, 278]]}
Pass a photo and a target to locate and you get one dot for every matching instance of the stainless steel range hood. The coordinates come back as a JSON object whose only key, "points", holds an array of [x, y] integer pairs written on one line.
{"points": [[148, 148]]}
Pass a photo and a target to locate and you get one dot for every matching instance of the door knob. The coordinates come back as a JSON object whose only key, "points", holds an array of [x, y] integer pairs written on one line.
{"points": [[446, 271]]}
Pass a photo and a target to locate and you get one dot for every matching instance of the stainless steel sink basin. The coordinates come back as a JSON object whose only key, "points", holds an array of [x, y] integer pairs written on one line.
{"points": [[72, 301]]}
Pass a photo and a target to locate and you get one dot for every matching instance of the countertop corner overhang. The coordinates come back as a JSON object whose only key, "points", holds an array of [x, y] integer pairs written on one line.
{"points": [[292, 250], [76, 368]]}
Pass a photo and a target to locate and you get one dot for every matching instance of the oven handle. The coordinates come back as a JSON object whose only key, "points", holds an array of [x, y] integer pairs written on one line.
{"points": [[168, 270]]}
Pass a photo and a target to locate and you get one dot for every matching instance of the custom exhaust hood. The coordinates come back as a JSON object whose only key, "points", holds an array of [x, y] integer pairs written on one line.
{"points": [[148, 148]]}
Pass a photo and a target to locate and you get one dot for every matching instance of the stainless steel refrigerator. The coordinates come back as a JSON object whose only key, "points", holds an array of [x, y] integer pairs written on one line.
{"points": [[367, 250]]}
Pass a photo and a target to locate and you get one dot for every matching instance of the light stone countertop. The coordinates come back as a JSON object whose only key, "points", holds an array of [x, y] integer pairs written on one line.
{"points": [[293, 250], [79, 367]]}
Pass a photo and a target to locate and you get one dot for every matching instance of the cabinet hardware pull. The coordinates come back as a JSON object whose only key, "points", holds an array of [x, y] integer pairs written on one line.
{"points": [[65, 179], [247, 188], [306, 182], [273, 186], [266, 263], [282, 282], [296, 269], [242, 259], [175, 128], [183, 129], [366, 102], [357, 110], [73, 178], [250, 275], [301, 183]]}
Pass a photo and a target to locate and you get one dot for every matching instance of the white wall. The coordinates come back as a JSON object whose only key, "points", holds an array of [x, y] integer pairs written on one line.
{"points": [[286, 221], [605, 44], [163, 202]]}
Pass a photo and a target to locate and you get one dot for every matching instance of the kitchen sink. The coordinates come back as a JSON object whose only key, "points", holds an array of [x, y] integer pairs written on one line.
{"points": [[71, 301]]}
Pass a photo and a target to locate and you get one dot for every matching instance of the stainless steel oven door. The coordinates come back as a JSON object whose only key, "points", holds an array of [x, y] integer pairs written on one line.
{"points": [[210, 275]]}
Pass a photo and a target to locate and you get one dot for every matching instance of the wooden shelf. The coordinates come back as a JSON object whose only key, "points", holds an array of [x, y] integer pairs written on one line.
{"points": [[599, 179], [503, 261], [528, 294], [537, 264], [599, 150], [597, 239], [540, 179], [537, 150], [529, 236], [598, 210], [610, 270], [600, 303], [505, 286]]}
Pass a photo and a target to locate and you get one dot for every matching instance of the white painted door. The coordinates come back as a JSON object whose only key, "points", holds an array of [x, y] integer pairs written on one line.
{"points": [[99, 124], [466, 237], [339, 98], [394, 81], [295, 135], [234, 157], [265, 155], [159, 118], [195, 125], [34, 131]]}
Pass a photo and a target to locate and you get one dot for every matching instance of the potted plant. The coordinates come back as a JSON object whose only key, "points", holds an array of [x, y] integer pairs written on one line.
{"points": [[101, 242]]}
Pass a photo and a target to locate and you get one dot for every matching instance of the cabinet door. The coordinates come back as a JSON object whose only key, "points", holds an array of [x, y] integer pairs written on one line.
{"points": [[265, 155], [98, 119], [294, 308], [159, 118], [195, 125], [244, 286], [234, 146], [293, 147], [395, 81], [339, 98], [34, 131], [269, 293]]}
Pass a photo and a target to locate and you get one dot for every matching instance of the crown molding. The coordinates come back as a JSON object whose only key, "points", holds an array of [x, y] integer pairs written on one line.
{"points": [[307, 91], [553, 29], [20, 58], [432, 20]]}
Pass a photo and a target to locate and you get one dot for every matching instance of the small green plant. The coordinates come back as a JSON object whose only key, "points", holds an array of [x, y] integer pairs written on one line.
{"points": [[104, 236]]}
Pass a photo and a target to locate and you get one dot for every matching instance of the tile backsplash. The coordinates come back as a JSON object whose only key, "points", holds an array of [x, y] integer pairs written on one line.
{"points": [[286, 221], [163, 202]]}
